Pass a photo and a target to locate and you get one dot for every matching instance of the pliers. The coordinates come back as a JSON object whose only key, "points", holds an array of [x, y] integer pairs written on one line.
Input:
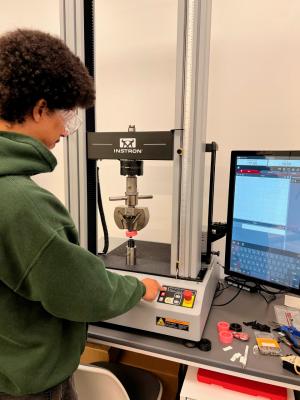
{"points": [[291, 337], [292, 334]]}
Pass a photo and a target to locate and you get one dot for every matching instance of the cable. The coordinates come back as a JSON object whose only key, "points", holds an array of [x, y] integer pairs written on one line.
{"points": [[268, 301], [253, 287], [221, 286], [256, 288], [220, 265], [229, 301], [263, 288], [102, 217], [220, 289]]}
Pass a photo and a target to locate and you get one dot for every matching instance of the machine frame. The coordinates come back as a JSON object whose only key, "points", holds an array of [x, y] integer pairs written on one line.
{"points": [[193, 37]]}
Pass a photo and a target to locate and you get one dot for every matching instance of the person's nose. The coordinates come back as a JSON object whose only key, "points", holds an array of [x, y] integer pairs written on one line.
{"points": [[65, 133]]}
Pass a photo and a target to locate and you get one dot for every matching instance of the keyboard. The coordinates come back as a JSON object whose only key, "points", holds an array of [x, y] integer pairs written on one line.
{"points": [[268, 266]]}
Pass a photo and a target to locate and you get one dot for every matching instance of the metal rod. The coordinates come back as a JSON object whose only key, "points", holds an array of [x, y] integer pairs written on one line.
{"points": [[131, 252]]}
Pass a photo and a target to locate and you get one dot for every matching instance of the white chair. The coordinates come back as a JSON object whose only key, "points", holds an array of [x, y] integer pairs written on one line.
{"points": [[94, 383], [111, 381]]}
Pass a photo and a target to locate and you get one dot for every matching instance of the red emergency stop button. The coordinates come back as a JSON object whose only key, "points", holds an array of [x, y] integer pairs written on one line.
{"points": [[187, 295]]}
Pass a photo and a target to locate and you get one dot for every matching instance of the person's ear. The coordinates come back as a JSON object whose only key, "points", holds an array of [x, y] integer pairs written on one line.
{"points": [[39, 110]]}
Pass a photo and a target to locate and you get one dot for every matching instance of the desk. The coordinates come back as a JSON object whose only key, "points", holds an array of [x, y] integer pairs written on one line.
{"points": [[246, 307]]}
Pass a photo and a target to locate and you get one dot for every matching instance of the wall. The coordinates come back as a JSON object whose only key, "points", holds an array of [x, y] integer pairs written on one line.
{"points": [[42, 15], [254, 85]]}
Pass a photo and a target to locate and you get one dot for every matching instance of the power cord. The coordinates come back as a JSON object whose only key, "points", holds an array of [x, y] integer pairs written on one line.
{"points": [[269, 299], [253, 287], [102, 216], [262, 290], [220, 289], [229, 301], [275, 292]]}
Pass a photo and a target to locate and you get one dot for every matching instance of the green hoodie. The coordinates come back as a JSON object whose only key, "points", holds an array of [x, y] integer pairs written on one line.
{"points": [[49, 286]]}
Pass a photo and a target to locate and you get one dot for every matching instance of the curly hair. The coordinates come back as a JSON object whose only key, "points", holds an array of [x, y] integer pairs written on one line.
{"points": [[35, 65]]}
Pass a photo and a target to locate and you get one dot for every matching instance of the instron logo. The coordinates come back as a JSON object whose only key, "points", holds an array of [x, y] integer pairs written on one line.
{"points": [[127, 143], [128, 146]]}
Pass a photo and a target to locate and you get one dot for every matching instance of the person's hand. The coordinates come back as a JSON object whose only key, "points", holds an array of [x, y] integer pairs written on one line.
{"points": [[152, 289]]}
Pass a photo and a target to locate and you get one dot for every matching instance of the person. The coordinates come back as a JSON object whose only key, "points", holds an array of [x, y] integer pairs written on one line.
{"points": [[50, 287]]}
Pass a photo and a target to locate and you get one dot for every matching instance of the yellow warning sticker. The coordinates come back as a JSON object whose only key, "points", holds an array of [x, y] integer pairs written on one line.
{"points": [[172, 323], [160, 322]]}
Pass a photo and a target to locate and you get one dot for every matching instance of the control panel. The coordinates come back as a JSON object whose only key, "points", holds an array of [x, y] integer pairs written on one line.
{"points": [[177, 296], [180, 310]]}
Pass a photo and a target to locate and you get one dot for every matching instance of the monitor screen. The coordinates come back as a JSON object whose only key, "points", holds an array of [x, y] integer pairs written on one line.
{"points": [[263, 238]]}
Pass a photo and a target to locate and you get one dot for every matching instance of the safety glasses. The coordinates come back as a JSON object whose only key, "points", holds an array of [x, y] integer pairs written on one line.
{"points": [[71, 121]]}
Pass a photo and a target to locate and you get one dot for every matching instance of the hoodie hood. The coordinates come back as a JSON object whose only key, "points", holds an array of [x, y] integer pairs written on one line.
{"points": [[23, 155]]}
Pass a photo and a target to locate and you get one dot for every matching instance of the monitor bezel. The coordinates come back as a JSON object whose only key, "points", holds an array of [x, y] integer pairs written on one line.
{"points": [[230, 206]]}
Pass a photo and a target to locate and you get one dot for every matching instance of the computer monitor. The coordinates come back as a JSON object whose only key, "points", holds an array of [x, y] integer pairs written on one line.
{"points": [[263, 222]]}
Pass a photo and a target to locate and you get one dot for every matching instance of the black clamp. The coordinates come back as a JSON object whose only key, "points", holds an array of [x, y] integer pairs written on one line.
{"points": [[257, 326]]}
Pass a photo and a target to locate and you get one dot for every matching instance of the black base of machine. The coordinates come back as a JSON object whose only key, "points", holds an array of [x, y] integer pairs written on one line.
{"points": [[152, 258]]}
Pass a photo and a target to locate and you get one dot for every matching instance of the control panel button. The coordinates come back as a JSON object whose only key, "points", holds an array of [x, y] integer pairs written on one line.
{"points": [[187, 295], [177, 296]]}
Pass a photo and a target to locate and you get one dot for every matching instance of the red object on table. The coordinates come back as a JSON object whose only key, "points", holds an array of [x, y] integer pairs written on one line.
{"points": [[242, 385], [223, 326], [226, 337]]}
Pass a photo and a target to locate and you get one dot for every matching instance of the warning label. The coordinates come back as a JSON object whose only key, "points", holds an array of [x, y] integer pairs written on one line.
{"points": [[172, 323]]}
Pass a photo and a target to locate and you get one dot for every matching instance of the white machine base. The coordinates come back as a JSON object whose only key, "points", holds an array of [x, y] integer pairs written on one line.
{"points": [[170, 314]]}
